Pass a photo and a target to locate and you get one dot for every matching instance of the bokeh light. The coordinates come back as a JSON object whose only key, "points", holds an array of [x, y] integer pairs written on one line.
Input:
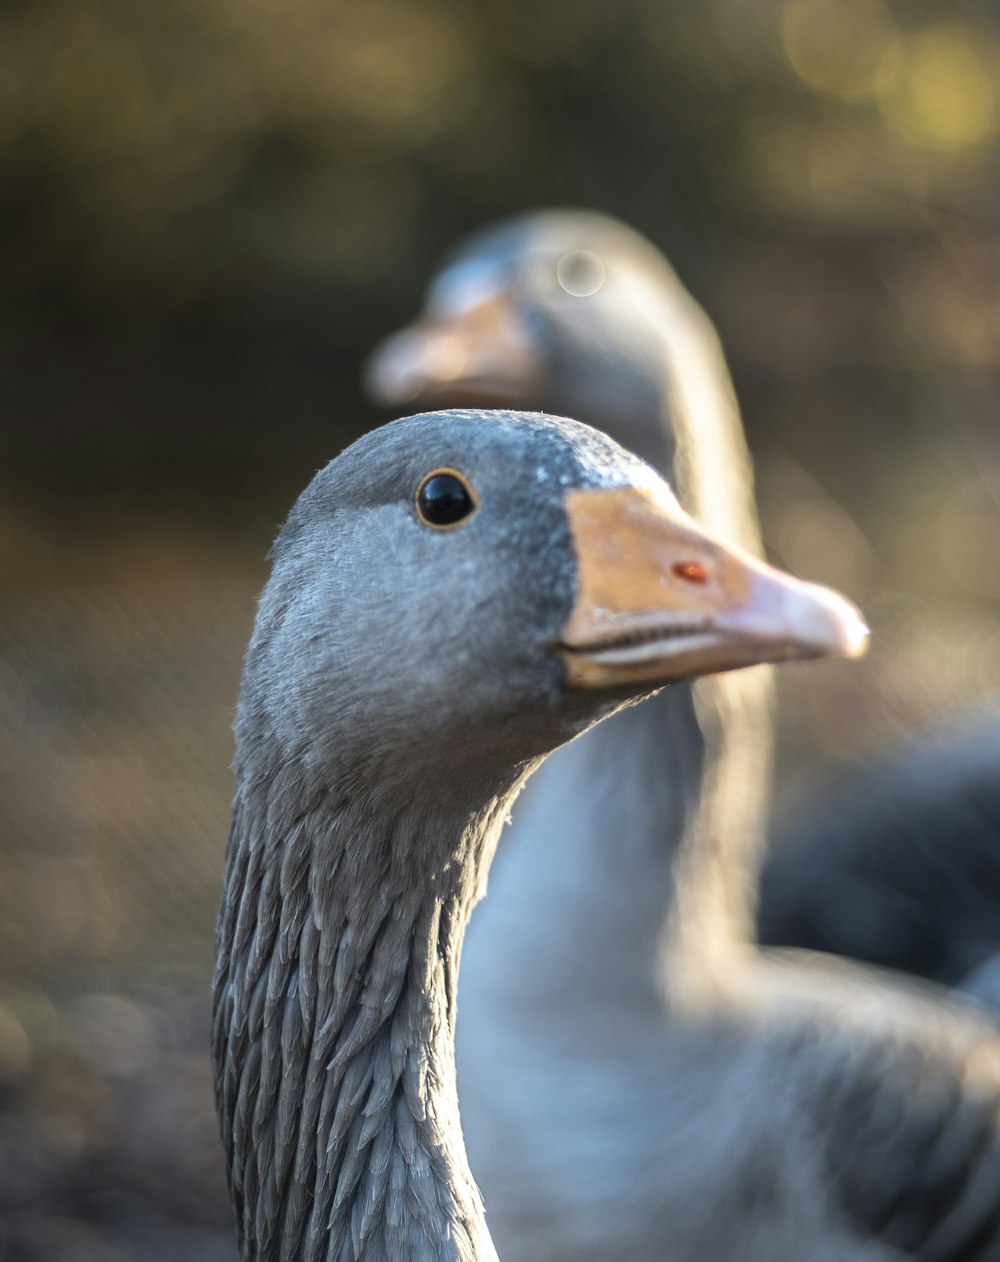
{"points": [[848, 48], [945, 96]]}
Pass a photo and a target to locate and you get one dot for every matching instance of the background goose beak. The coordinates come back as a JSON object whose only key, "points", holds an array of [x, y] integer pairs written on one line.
{"points": [[660, 600], [484, 352]]}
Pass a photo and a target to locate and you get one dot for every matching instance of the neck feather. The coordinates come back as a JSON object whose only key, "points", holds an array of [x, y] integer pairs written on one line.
{"points": [[338, 952]]}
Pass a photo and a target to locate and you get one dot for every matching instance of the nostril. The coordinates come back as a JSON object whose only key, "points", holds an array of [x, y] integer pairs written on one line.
{"points": [[690, 571]]}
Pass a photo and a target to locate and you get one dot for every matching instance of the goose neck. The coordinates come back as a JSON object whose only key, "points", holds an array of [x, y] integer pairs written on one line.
{"points": [[625, 886], [338, 951]]}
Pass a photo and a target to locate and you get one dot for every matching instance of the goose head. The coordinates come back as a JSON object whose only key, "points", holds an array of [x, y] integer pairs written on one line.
{"points": [[466, 590], [566, 310]]}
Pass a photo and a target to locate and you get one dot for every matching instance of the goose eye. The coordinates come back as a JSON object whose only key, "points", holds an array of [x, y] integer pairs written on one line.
{"points": [[580, 273], [445, 498]]}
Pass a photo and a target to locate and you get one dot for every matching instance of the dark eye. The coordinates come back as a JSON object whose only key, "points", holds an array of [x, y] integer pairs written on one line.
{"points": [[445, 498], [580, 273]]}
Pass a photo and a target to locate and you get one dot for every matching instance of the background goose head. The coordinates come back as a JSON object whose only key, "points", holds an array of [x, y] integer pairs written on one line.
{"points": [[468, 580], [565, 310]]}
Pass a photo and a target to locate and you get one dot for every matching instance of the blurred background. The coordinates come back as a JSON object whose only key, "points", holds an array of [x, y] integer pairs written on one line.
{"points": [[209, 212]]}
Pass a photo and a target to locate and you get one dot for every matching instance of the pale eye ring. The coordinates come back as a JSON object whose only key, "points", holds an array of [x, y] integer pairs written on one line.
{"points": [[445, 498], [580, 273]]}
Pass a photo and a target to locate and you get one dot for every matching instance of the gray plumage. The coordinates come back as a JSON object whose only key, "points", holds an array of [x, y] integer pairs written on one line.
{"points": [[983, 983], [635, 1079], [898, 863]]}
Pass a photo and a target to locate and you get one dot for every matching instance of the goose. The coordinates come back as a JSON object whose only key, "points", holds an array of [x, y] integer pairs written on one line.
{"points": [[574, 312], [894, 866], [609, 1050], [898, 863], [624, 880], [451, 598]]}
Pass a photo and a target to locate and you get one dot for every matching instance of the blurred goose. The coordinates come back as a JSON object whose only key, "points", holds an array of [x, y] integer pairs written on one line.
{"points": [[451, 598], [574, 312], [624, 882], [898, 864], [614, 1073]]}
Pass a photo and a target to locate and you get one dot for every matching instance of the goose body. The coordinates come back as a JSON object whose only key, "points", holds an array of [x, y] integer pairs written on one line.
{"points": [[451, 598], [831, 1116], [636, 1079], [899, 864]]}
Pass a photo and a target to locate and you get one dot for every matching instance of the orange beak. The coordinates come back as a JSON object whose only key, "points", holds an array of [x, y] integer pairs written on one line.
{"points": [[480, 354], [660, 600]]}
